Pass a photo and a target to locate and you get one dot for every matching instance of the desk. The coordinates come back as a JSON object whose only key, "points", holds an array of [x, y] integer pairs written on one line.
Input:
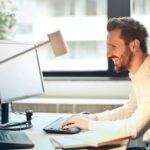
{"points": [[41, 139]]}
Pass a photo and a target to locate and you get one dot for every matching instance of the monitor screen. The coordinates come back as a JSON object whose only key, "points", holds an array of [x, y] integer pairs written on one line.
{"points": [[19, 77]]}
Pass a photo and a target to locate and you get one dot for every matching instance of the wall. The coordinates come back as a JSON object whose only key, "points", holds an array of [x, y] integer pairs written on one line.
{"points": [[88, 89], [76, 96]]}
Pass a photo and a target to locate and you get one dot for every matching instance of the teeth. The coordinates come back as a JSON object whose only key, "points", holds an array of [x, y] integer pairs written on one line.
{"points": [[114, 60]]}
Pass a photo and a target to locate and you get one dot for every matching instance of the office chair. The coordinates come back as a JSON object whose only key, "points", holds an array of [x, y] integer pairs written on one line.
{"points": [[136, 148]]}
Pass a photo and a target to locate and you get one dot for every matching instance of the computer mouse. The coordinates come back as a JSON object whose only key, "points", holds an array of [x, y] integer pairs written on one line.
{"points": [[73, 130], [85, 112]]}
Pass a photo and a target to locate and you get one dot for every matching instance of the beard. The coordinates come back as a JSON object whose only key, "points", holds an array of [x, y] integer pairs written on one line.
{"points": [[124, 61]]}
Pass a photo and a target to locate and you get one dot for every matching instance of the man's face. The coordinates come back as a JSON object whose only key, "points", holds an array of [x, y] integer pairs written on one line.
{"points": [[118, 51]]}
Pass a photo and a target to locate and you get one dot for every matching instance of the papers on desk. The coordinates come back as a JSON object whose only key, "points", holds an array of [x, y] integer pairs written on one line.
{"points": [[87, 139]]}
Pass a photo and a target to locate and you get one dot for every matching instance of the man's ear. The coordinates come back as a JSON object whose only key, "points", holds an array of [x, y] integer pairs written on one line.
{"points": [[134, 45]]}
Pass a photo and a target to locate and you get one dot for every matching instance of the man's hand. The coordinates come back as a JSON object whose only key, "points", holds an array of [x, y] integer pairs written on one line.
{"points": [[76, 121]]}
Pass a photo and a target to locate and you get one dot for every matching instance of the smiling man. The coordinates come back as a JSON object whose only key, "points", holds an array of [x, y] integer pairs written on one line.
{"points": [[127, 47]]}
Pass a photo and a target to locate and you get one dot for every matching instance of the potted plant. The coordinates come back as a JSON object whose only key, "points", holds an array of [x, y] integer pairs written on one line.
{"points": [[7, 19]]}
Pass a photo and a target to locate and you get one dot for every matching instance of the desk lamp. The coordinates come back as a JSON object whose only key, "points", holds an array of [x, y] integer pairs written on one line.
{"points": [[57, 42]]}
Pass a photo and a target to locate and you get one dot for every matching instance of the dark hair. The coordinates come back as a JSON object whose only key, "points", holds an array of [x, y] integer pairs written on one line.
{"points": [[130, 30]]}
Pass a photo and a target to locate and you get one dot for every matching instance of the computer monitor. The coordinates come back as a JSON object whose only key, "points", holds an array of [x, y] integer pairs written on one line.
{"points": [[20, 77]]}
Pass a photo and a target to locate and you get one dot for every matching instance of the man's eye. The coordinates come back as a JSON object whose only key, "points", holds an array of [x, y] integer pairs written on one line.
{"points": [[111, 47]]}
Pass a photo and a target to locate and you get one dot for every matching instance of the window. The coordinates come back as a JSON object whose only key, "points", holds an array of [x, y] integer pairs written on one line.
{"points": [[83, 24]]}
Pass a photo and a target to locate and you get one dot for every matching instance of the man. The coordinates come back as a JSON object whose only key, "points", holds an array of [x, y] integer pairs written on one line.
{"points": [[127, 47]]}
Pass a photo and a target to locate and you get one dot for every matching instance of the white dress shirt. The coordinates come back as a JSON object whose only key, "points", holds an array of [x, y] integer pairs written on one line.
{"points": [[133, 118]]}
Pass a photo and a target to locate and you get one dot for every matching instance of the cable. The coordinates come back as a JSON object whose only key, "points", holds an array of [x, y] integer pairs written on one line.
{"points": [[17, 126]]}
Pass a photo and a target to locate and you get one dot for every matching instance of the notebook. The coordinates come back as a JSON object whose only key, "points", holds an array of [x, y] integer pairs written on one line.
{"points": [[86, 140], [14, 139]]}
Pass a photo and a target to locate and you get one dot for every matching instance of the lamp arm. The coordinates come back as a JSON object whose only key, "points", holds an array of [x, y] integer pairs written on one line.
{"points": [[26, 51]]}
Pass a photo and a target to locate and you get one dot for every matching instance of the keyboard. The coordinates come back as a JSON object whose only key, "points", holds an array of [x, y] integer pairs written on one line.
{"points": [[14, 140], [56, 128]]}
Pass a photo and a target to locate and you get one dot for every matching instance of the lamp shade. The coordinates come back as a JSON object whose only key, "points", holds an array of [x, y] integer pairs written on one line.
{"points": [[58, 44]]}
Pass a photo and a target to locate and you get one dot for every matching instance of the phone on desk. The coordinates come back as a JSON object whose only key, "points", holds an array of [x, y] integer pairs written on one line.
{"points": [[56, 127]]}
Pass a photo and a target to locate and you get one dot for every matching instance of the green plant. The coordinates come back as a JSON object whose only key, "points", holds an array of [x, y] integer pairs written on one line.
{"points": [[7, 18]]}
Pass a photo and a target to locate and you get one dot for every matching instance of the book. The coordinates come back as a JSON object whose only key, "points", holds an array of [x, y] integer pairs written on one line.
{"points": [[87, 139]]}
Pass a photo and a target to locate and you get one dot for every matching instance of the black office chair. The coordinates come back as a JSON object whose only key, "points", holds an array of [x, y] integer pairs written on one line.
{"points": [[136, 148]]}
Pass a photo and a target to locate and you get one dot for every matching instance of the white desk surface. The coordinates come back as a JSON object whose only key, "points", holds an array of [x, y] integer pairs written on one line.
{"points": [[40, 138]]}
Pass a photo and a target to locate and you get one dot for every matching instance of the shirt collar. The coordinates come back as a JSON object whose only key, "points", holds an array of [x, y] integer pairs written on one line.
{"points": [[141, 70]]}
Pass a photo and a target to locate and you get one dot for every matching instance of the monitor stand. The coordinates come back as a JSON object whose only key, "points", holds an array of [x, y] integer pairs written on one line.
{"points": [[4, 113], [5, 125]]}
